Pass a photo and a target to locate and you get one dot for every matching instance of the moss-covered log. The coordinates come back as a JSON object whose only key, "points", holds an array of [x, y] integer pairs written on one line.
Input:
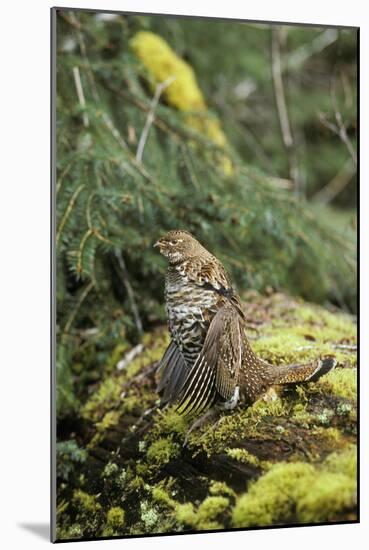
{"points": [[290, 458]]}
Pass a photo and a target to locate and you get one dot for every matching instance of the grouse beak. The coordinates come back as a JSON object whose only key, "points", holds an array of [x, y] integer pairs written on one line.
{"points": [[158, 243]]}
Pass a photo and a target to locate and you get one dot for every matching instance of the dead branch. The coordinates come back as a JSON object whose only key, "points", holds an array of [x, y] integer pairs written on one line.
{"points": [[339, 129], [280, 98], [297, 58], [80, 94], [337, 184], [151, 117], [129, 356]]}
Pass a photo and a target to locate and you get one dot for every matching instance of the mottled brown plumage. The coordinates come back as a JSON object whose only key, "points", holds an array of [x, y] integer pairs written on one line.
{"points": [[209, 359]]}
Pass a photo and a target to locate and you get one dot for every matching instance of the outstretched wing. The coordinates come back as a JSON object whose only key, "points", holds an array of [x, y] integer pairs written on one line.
{"points": [[217, 366], [211, 275], [173, 371]]}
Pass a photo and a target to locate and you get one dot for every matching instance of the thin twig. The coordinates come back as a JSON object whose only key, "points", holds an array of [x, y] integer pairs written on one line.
{"points": [[335, 346], [96, 96], [129, 289], [129, 356], [337, 184], [297, 58], [68, 211], [151, 116], [80, 94], [345, 346], [340, 130], [280, 99], [81, 299]]}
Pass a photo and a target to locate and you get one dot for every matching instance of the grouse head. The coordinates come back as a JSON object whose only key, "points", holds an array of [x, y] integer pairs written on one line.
{"points": [[178, 245]]}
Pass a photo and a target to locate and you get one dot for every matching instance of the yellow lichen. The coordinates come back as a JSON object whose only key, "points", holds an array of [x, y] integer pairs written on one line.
{"points": [[183, 92]]}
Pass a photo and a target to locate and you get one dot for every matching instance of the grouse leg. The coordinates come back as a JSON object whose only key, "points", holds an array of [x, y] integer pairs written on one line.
{"points": [[211, 413]]}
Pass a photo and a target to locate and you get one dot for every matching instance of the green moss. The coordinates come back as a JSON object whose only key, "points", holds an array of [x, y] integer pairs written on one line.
{"points": [[300, 492], [108, 392], [109, 395], [272, 497], [300, 415], [85, 502], [306, 332], [155, 344], [161, 496], [115, 517], [73, 531], [221, 488], [162, 451], [340, 382], [109, 420], [136, 484], [243, 456], [333, 435], [111, 469], [335, 326], [117, 354], [170, 422], [209, 510], [206, 516], [275, 408], [344, 462], [329, 496], [185, 514], [247, 421]]}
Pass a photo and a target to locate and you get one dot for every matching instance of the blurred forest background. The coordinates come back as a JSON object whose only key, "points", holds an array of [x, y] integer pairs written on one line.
{"points": [[244, 134]]}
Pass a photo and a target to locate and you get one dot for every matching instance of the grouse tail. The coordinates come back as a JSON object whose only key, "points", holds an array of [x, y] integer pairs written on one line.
{"points": [[310, 372]]}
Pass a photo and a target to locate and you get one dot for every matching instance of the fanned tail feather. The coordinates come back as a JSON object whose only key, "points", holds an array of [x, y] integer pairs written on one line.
{"points": [[173, 371], [311, 372]]}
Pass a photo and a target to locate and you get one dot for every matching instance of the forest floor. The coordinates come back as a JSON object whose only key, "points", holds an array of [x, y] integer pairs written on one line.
{"points": [[288, 459]]}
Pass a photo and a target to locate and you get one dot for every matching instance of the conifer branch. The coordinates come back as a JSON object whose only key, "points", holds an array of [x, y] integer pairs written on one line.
{"points": [[85, 237], [68, 211]]}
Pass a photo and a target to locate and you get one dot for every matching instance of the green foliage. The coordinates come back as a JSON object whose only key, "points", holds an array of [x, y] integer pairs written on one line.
{"points": [[111, 207]]}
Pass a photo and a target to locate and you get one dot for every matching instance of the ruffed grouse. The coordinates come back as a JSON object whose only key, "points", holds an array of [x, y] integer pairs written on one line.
{"points": [[209, 359]]}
